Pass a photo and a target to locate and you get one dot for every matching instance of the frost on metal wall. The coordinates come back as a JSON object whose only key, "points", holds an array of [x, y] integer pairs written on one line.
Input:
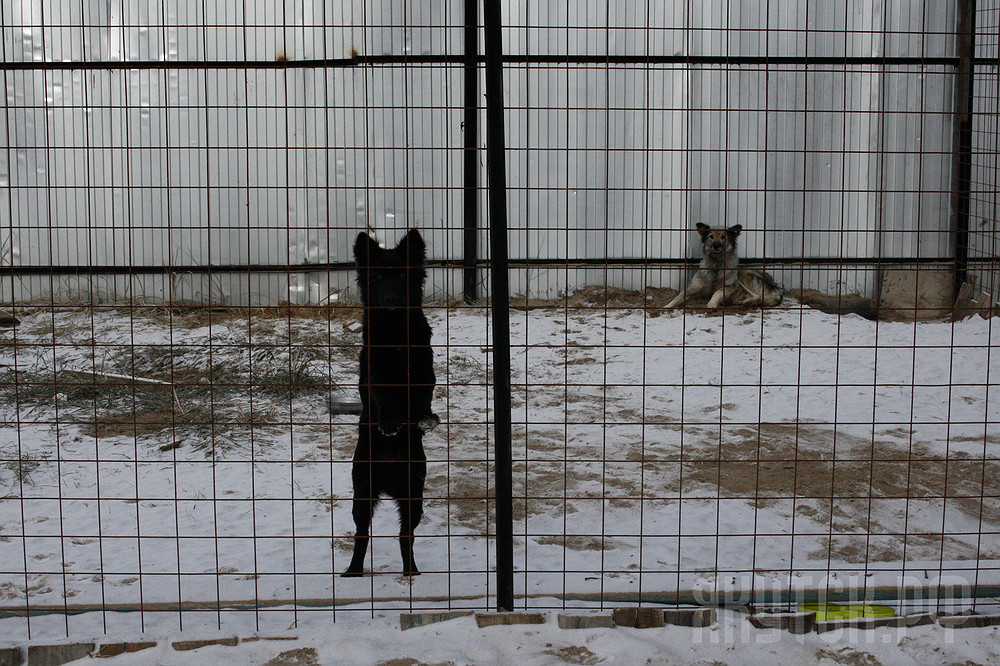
{"points": [[814, 161], [984, 177], [984, 200], [798, 154], [916, 163], [190, 167], [731, 27], [9, 252], [193, 167], [595, 161]]}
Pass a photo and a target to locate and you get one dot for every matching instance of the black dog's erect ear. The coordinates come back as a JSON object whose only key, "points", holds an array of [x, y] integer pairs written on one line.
{"points": [[734, 230], [413, 245], [364, 247], [703, 228]]}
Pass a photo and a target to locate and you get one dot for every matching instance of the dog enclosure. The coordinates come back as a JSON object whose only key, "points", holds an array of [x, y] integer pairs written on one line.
{"points": [[182, 186]]}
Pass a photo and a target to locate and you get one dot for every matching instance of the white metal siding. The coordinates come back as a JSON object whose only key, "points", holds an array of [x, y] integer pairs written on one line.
{"points": [[188, 167]]}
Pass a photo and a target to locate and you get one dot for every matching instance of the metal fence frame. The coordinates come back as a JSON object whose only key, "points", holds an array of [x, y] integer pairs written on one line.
{"points": [[967, 65]]}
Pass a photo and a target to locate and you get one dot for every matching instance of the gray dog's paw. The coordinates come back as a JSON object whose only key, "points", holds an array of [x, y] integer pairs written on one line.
{"points": [[428, 423]]}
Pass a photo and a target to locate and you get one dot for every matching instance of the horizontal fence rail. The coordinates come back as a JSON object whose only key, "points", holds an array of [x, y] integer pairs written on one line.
{"points": [[197, 342]]}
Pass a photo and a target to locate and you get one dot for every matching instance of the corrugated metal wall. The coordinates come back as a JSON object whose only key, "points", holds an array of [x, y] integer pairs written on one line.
{"points": [[188, 167], [984, 177]]}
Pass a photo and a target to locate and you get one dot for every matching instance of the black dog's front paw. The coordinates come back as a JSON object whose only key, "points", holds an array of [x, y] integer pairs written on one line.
{"points": [[429, 422], [353, 573], [389, 427]]}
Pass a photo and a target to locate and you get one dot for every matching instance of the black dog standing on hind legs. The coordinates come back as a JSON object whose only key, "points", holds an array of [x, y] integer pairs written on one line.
{"points": [[396, 385]]}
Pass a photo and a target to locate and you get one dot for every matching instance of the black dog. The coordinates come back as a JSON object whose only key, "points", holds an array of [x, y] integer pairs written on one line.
{"points": [[396, 385]]}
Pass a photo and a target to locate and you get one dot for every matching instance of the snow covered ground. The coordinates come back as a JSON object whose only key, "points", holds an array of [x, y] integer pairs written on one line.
{"points": [[731, 641], [655, 452]]}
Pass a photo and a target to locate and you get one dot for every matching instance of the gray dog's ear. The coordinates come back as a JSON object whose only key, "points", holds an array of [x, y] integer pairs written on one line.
{"points": [[734, 230], [364, 247], [703, 228]]}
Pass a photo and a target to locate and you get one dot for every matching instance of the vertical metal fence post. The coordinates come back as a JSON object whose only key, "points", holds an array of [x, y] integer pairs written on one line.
{"points": [[500, 302], [964, 99], [470, 229]]}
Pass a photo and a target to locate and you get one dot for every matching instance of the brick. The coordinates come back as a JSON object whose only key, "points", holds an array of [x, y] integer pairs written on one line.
{"points": [[413, 620], [624, 617], [919, 619], [589, 621], [860, 623], [796, 623], [690, 617], [968, 621], [11, 656], [115, 649], [492, 619], [54, 655], [140, 645], [110, 650], [640, 618], [194, 645]]}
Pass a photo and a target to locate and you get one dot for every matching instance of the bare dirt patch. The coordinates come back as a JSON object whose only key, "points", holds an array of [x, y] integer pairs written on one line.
{"points": [[575, 654], [409, 661], [298, 657], [849, 657], [129, 425], [858, 485], [194, 315]]}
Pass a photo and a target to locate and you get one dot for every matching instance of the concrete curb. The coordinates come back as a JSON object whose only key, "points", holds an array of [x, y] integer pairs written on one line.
{"points": [[805, 622], [690, 617], [53, 655], [635, 617], [584, 621], [645, 617], [494, 619], [115, 649], [182, 646], [414, 620], [968, 621], [796, 623], [11, 656]]}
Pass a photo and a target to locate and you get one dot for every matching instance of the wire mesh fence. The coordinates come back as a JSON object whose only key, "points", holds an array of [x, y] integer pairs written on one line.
{"points": [[183, 190]]}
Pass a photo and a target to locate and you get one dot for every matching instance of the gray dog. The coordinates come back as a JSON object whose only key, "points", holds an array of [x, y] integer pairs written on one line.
{"points": [[720, 277]]}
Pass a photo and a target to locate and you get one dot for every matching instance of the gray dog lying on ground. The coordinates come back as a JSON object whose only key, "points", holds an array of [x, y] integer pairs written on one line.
{"points": [[720, 277]]}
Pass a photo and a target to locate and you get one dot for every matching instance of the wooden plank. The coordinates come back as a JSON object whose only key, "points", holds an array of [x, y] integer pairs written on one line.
{"points": [[194, 645], [114, 378], [963, 302]]}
